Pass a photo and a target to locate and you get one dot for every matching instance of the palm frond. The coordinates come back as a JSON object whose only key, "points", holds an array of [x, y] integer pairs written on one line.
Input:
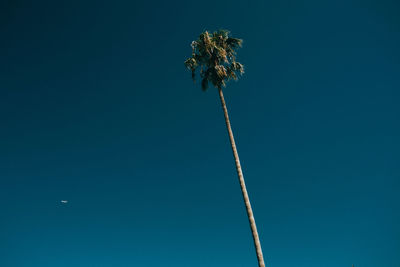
{"points": [[234, 43], [204, 84], [231, 73]]}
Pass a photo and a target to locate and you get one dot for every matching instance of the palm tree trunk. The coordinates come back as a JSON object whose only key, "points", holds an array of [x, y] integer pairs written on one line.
{"points": [[246, 199]]}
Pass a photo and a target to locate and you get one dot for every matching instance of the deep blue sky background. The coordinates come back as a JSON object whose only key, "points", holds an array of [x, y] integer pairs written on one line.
{"points": [[97, 108]]}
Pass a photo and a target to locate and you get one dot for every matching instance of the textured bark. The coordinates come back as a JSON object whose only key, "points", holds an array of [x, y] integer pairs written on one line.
{"points": [[246, 199]]}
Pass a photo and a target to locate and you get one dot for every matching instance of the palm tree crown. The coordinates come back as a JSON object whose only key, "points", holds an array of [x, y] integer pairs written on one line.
{"points": [[215, 54]]}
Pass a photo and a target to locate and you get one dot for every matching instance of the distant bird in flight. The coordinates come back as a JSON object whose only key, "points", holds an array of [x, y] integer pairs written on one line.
{"points": [[64, 201]]}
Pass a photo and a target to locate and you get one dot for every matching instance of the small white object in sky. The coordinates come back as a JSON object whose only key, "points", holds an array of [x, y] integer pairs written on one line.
{"points": [[64, 201]]}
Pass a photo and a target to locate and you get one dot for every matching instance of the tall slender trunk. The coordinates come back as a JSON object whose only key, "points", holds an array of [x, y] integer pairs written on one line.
{"points": [[246, 199]]}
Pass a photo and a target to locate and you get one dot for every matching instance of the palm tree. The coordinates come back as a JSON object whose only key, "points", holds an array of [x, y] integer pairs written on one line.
{"points": [[214, 54]]}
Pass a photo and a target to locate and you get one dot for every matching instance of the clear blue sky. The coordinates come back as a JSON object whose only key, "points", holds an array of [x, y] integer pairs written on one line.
{"points": [[97, 108]]}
